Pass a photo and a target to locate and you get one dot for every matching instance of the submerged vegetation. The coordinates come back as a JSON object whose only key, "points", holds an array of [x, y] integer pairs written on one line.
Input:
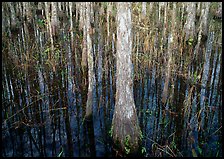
{"points": [[60, 69]]}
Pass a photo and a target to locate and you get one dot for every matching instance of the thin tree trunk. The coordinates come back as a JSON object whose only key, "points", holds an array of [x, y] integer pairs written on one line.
{"points": [[189, 26], [91, 76]]}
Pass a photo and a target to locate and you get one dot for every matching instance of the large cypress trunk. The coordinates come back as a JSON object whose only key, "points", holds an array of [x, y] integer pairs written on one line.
{"points": [[125, 125]]}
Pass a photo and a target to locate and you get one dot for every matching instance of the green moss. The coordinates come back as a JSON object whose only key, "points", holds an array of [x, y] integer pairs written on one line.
{"points": [[111, 131], [127, 144]]}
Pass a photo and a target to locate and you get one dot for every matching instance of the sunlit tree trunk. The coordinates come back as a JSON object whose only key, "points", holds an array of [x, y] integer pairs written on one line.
{"points": [[71, 26], [125, 125], [203, 27], [109, 10], [81, 15], [165, 23], [100, 45], [198, 9], [82, 25], [14, 24], [169, 55], [189, 26], [204, 17], [54, 19], [91, 76], [49, 28], [143, 9], [13, 14], [161, 7]]}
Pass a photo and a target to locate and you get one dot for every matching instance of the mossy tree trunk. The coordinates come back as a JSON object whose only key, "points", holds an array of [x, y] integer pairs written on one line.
{"points": [[125, 125]]}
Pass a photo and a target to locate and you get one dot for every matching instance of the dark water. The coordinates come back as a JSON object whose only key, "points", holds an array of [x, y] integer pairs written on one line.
{"points": [[43, 112]]}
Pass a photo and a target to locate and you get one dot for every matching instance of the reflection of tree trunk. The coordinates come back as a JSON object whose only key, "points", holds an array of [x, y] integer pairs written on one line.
{"points": [[78, 134], [206, 78], [83, 103], [175, 108], [109, 91], [207, 92], [53, 140], [30, 138], [104, 79], [21, 133], [220, 106], [78, 121], [42, 105], [179, 110], [103, 66], [8, 70], [149, 102], [165, 89], [142, 101], [214, 76], [157, 110], [35, 103], [54, 112], [25, 116], [198, 95], [90, 131], [69, 133]]}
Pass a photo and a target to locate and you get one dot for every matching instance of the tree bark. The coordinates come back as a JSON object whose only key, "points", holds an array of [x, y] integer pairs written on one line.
{"points": [[125, 125], [189, 26], [91, 76], [143, 9]]}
